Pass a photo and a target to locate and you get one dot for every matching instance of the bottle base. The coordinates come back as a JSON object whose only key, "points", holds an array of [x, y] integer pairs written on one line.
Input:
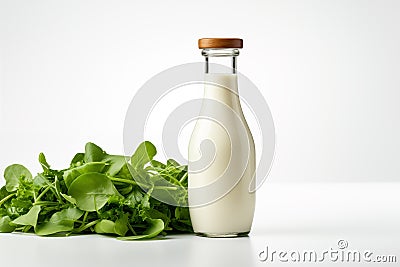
{"points": [[223, 235]]}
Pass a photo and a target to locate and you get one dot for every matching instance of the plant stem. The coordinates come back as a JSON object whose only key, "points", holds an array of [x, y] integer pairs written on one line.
{"points": [[6, 198], [42, 194], [165, 187], [45, 203], [183, 178], [122, 180], [83, 228], [131, 228], [132, 182], [173, 178], [85, 218], [139, 184]]}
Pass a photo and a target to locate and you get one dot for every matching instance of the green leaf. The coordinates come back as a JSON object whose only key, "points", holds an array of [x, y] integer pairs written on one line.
{"points": [[77, 160], [172, 162], [155, 214], [5, 196], [43, 162], [156, 226], [125, 190], [21, 204], [68, 198], [125, 172], [116, 163], [182, 213], [30, 218], [105, 227], [70, 175], [91, 191], [62, 221], [93, 153], [143, 155], [5, 226], [13, 174], [3, 192], [157, 164], [121, 225], [117, 195], [40, 181], [134, 198]]}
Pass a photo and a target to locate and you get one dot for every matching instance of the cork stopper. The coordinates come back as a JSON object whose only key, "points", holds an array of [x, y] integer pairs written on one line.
{"points": [[220, 43]]}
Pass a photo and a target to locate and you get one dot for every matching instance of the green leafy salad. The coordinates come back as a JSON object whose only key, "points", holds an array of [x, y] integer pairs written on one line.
{"points": [[98, 193]]}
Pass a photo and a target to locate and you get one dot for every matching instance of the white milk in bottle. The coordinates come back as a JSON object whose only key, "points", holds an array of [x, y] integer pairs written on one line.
{"points": [[221, 149]]}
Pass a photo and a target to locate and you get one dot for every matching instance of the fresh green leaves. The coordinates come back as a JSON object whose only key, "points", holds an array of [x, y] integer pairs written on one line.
{"points": [[119, 227], [93, 153], [30, 218], [98, 193], [91, 191], [5, 225], [143, 154], [62, 221], [156, 226], [71, 174], [115, 162], [13, 174], [43, 162]]}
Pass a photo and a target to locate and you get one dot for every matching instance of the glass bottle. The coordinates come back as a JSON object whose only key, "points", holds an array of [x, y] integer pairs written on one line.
{"points": [[221, 149]]}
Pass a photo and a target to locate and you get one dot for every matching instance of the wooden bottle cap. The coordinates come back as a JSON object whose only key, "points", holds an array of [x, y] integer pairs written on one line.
{"points": [[220, 43]]}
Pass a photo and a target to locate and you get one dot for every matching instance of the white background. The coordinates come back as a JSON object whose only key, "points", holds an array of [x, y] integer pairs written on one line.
{"points": [[328, 69]]}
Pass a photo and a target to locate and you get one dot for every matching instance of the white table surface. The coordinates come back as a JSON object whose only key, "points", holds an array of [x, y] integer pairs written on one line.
{"points": [[289, 217]]}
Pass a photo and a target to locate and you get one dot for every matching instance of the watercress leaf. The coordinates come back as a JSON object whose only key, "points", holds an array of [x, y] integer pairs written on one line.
{"points": [[182, 213], [5, 226], [21, 205], [125, 172], [30, 218], [93, 153], [155, 214], [157, 164], [91, 191], [116, 163], [143, 154], [13, 174], [77, 160], [172, 162], [71, 174], [25, 188], [43, 162], [62, 221], [156, 226], [5, 196], [125, 190], [40, 181], [121, 225], [68, 198], [105, 227], [3, 192], [143, 178], [145, 203], [134, 198], [121, 192]]}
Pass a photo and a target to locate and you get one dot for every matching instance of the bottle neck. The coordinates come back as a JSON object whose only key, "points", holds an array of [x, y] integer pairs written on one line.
{"points": [[221, 87], [220, 60], [220, 76]]}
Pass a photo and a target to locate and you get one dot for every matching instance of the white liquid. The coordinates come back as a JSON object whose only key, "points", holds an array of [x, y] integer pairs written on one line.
{"points": [[229, 212]]}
